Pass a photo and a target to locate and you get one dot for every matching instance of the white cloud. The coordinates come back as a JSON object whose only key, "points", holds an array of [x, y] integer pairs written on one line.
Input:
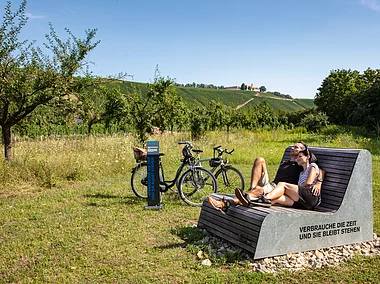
{"points": [[372, 4], [31, 16]]}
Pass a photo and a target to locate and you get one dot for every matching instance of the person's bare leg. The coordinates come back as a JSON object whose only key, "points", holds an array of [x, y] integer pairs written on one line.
{"points": [[283, 188], [258, 168], [256, 192], [236, 201], [277, 192], [221, 204], [283, 200]]}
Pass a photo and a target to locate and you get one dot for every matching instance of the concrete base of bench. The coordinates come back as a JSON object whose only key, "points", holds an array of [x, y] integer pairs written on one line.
{"points": [[280, 230]]}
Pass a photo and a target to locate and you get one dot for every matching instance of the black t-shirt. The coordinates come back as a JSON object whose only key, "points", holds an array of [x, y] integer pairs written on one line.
{"points": [[288, 171]]}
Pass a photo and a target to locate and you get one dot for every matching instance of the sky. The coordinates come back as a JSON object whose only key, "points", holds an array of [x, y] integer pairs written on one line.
{"points": [[289, 46]]}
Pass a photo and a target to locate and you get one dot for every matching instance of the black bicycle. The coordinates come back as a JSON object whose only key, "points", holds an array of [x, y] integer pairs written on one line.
{"points": [[194, 184], [228, 177]]}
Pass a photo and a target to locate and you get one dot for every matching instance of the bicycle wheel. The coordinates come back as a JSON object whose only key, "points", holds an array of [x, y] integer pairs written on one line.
{"points": [[177, 184], [195, 185], [229, 179], [139, 180]]}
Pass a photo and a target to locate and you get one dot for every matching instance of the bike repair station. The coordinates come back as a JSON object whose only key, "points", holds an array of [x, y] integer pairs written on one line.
{"points": [[154, 196]]}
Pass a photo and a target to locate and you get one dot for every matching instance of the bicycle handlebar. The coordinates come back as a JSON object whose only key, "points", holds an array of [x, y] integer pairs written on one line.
{"points": [[230, 152], [188, 143], [220, 151]]}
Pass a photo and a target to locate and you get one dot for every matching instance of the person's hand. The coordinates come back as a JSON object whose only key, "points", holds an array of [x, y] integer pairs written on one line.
{"points": [[316, 190]]}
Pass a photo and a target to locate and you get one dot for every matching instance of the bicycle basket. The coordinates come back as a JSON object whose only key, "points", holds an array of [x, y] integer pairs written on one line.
{"points": [[139, 153], [214, 162], [186, 152]]}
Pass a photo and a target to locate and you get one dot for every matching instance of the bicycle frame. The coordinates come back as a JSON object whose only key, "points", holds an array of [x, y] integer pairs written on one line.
{"points": [[170, 183], [222, 164]]}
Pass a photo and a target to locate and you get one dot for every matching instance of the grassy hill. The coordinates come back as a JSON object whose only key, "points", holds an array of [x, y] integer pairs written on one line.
{"points": [[233, 98]]}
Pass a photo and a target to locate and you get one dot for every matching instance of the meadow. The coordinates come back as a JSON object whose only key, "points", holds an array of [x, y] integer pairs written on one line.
{"points": [[68, 214]]}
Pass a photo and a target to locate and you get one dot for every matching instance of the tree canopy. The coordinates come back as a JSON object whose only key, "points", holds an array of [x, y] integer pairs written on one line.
{"points": [[349, 97], [32, 76]]}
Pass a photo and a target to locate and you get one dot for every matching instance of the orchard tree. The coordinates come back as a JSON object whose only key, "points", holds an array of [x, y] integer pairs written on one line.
{"points": [[314, 122], [156, 108], [90, 103], [215, 112], [199, 121], [30, 77], [115, 106]]}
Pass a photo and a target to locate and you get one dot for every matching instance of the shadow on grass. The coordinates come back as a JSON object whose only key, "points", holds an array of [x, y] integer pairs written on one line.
{"points": [[189, 234], [171, 246], [107, 200], [101, 195]]}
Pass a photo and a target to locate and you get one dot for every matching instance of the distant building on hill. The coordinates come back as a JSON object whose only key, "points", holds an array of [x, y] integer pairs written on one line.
{"points": [[253, 88], [250, 88], [233, 88]]}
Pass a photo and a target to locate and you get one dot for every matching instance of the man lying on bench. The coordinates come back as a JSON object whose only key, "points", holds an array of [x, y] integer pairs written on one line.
{"points": [[288, 174]]}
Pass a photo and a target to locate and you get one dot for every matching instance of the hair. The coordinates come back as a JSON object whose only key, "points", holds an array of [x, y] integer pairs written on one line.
{"points": [[304, 144], [307, 152]]}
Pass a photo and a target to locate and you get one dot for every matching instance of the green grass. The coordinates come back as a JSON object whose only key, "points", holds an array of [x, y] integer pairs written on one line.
{"points": [[68, 215]]}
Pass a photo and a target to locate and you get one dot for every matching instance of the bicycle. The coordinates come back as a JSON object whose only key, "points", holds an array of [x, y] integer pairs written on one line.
{"points": [[228, 177], [194, 184]]}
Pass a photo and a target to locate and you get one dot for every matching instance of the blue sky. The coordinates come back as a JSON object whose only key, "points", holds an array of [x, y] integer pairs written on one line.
{"points": [[288, 46]]}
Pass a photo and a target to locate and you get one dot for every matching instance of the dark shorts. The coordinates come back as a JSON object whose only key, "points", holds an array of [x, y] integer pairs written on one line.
{"points": [[306, 199]]}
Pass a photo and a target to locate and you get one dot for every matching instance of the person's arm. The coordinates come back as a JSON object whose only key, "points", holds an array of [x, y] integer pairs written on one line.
{"points": [[310, 177], [318, 185]]}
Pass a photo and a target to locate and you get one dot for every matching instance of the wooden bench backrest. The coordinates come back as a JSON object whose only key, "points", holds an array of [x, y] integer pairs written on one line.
{"points": [[338, 165]]}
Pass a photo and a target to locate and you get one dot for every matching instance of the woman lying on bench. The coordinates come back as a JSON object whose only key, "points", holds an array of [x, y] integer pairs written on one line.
{"points": [[304, 195]]}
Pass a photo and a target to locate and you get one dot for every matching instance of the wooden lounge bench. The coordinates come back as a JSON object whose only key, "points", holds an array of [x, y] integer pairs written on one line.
{"points": [[343, 217]]}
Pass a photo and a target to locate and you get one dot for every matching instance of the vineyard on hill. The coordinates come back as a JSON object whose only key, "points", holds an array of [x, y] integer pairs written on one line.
{"points": [[232, 98]]}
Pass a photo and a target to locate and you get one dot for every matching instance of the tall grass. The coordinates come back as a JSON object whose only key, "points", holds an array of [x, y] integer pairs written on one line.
{"points": [[68, 215]]}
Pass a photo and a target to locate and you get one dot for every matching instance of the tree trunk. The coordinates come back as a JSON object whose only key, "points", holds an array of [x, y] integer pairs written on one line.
{"points": [[7, 140], [89, 125]]}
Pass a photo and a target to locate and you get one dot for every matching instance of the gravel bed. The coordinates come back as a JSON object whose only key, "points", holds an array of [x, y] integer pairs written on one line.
{"points": [[216, 248]]}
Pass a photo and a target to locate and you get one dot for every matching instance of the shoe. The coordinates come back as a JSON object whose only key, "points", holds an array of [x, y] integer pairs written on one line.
{"points": [[220, 205], [243, 197], [262, 201]]}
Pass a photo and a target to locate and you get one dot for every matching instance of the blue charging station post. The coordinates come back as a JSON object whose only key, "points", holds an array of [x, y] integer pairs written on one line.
{"points": [[152, 157]]}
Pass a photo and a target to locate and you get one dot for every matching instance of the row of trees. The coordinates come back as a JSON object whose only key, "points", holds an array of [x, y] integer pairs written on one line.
{"points": [[160, 107], [351, 98], [200, 85]]}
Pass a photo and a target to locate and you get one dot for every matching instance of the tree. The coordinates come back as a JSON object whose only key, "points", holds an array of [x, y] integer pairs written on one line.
{"points": [[243, 87], [336, 92], [314, 122], [115, 106], [199, 121], [367, 112], [215, 112], [156, 108], [30, 77], [90, 104], [263, 89]]}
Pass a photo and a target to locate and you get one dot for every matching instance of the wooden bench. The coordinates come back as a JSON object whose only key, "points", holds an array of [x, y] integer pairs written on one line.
{"points": [[343, 217]]}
